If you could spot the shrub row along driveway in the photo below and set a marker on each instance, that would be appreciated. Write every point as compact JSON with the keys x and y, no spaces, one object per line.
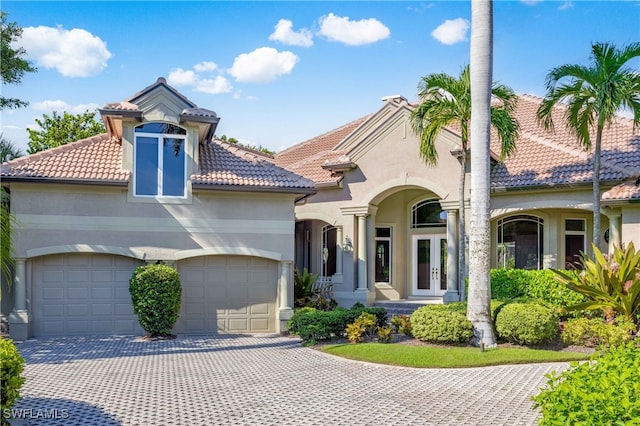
{"x":257,"y":380}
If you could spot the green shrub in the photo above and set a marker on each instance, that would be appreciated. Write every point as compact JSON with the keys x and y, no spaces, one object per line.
{"x":526,"y":323}
{"x":303,"y":287}
{"x":508,"y":284}
{"x":11,"y":379}
{"x":439,"y":324}
{"x":156,"y":293}
{"x":313,"y":325}
{"x":595,"y":332}
{"x":601,"y":392}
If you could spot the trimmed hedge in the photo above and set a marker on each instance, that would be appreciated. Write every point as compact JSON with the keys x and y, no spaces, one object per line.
{"x":313,"y":325}
{"x":11,"y":379}
{"x":596,"y":332}
{"x":441,"y":324}
{"x":602,"y":392}
{"x":526,"y":323}
{"x":507,"y":284}
{"x":156,"y":293}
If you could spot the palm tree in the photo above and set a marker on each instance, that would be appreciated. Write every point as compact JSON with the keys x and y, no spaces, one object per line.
{"x":446,"y":101}
{"x":8,"y":151}
{"x":593,"y":94}
{"x":7,"y":223}
{"x":482,"y":117}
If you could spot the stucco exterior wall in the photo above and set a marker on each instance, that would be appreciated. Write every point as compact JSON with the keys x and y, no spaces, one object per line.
{"x":55,"y":215}
{"x":631,"y":225}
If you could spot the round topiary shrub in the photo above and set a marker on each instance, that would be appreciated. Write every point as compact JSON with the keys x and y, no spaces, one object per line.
{"x":439,"y":325}
{"x":156,"y":293}
{"x":526,"y":323}
{"x":11,"y":366}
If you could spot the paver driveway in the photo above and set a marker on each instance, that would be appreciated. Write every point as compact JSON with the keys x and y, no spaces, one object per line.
{"x":257,"y":380}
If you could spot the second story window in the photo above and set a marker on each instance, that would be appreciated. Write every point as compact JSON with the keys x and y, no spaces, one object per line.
{"x":160,"y":160}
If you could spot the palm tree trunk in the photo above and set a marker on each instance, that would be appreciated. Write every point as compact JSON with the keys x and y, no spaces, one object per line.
{"x":481,"y":65}
{"x":596,"y":187}
{"x":461,"y":226}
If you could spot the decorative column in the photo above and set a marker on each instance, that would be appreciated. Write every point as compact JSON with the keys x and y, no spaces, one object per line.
{"x":19,"y":318}
{"x":362,"y":251}
{"x":615,"y":234}
{"x":454,"y":292}
{"x":337,"y":277}
{"x":371,"y":248}
{"x":286,"y":292}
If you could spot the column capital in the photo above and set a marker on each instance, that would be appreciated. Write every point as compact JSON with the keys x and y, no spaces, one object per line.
{"x":360,"y":210}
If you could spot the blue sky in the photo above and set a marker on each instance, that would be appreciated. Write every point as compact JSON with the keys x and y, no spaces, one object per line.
{"x":278,"y":73}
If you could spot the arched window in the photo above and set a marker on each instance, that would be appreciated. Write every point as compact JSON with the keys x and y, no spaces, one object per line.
{"x":160,"y":160}
{"x":427,"y":214}
{"x":520,"y":241}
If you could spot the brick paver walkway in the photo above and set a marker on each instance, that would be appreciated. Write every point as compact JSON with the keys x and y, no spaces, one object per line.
{"x":257,"y":380}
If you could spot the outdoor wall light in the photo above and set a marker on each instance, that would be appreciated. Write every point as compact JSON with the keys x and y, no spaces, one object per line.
{"x":348,"y":245}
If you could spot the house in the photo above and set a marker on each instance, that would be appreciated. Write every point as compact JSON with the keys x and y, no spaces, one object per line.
{"x":157,"y":187}
{"x":356,"y":205}
{"x":383,"y":226}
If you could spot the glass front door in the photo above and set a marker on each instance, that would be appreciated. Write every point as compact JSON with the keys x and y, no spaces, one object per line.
{"x":429,"y":265}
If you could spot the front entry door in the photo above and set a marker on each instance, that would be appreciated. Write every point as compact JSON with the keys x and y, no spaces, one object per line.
{"x":429,"y":265}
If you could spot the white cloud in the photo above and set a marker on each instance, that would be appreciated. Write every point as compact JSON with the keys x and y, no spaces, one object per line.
{"x":205,"y":66}
{"x":73,"y":53}
{"x":531,"y":2}
{"x":60,"y":106}
{"x":284,"y":33}
{"x":197,"y":79}
{"x":451,"y":31}
{"x":180,"y":77}
{"x":566,"y":5}
{"x":213,"y":86}
{"x":263,"y":65}
{"x":353,"y":33}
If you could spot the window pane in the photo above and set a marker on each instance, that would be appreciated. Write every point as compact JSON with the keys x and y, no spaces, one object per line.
{"x":574,"y":245}
{"x":426,"y":214}
{"x":424,"y":265}
{"x":166,"y":128}
{"x":520,"y":245}
{"x":383,"y":232}
{"x":329,"y":240}
{"x":574,"y":225}
{"x":173,"y":179}
{"x":146,"y":166}
{"x":383,"y":261}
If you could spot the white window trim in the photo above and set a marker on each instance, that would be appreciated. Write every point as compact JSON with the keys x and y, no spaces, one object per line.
{"x":390,"y":239}
{"x":566,"y":232}
{"x":160,"y":138}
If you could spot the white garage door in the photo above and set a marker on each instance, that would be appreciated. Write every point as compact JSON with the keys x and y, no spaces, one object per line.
{"x":83,"y":294}
{"x":235,"y":294}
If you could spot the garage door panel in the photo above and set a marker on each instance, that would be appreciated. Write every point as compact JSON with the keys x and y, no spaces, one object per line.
{"x":238,"y":294}
{"x":77,"y":310}
{"x":82,"y":294}
{"x":78,"y":276}
{"x":77,"y":293}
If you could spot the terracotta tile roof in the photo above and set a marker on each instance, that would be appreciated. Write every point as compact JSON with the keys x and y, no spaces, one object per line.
{"x":629,"y":190}
{"x":542,"y":158}
{"x":307,"y":158}
{"x":556,"y":158}
{"x":224,"y":164}
{"x":97,"y":158}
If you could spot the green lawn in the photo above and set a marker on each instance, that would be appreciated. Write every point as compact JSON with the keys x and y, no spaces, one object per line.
{"x":447,"y":357}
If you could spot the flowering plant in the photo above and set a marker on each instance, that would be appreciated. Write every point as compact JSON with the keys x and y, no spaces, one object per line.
{"x":610,"y":283}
